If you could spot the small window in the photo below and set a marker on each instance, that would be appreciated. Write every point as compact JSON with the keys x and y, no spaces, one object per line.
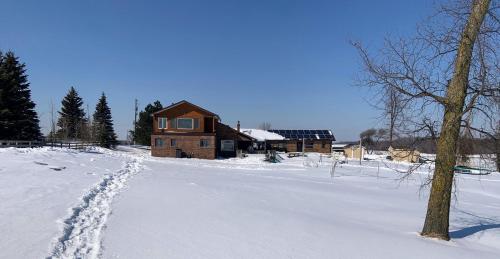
{"x":204,"y":143}
{"x":309,"y":144}
{"x":227,"y":145}
{"x":184,"y":123}
{"x":196,"y":123}
{"x":162,"y":122}
{"x":158,"y":142}
{"x":173,"y":142}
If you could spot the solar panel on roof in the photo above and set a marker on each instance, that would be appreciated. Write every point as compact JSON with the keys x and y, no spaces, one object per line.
{"x":305,"y":134}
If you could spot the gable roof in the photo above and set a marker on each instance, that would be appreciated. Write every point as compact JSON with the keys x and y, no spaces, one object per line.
{"x":186,"y":102}
{"x":235,"y":131}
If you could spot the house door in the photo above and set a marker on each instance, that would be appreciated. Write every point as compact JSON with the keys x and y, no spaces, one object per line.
{"x":299,"y":146}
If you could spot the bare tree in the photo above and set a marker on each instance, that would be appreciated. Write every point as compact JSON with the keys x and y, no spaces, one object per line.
{"x":265,"y":126}
{"x":450,"y":69}
{"x":393,"y":111}
{"x":371,"y":138}
{"x":366,"y":138}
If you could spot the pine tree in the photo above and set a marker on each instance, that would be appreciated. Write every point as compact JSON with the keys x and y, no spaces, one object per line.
{"x":144,"y":127}
{"x":71,"y":117}
{"x":103,"y":131}
{"x":18,"y":118}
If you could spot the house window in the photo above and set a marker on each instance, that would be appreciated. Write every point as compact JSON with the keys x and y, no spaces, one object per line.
{"x":173,"y":123}
{"x":227,"y":145}
{"x":204,"y":143}
{"x":158,"y":142}
{"x":196,"y":123}
{"x":309,"y":144}
{"x":185,"y":123}
{"x":173,"y":142}
{"x":162,"y":122}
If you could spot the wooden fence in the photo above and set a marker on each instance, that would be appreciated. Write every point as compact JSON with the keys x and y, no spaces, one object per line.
{"x":46,"y":143}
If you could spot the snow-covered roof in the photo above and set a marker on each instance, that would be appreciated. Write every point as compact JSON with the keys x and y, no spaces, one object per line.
{"x":339,"y":145}
{"x":262,"y":135}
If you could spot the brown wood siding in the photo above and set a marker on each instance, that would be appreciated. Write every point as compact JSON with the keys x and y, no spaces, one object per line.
{"x":184,"y":110}
{"x":291,"y":145}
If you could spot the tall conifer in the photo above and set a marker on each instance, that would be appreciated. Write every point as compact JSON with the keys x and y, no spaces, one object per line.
{"x":103,"y":130}
{"x":72,"y":119}
{"x":18,"y":118}
{"x":144,"y":127}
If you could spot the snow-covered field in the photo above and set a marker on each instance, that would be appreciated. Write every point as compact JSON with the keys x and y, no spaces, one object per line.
{"x":125,"y":204}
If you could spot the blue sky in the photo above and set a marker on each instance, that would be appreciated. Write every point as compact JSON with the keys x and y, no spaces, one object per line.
{"x":285,"y":62}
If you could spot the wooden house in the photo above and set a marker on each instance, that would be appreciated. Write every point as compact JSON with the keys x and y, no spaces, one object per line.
{"x":187,"y":130}
{"x":303,"y":141}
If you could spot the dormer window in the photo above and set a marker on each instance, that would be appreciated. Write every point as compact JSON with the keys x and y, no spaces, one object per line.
{"x":162,"y":122}
{"x":185,"y":123}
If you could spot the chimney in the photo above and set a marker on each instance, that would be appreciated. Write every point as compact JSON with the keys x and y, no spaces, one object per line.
{"x":238,"y":126}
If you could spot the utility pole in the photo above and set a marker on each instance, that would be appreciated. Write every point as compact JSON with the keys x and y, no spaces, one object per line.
{"x":52,"y":122}
{"x":135,"y":120}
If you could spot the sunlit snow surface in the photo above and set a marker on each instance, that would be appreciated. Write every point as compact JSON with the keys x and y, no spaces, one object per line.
{"x":126,"y":204}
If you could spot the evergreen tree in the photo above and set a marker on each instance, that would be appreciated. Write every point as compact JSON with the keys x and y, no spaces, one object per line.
{"x":144,"y":127}
{"x":71,"y":117}
{"x":18,"y":118}
{"x":103,"y":130}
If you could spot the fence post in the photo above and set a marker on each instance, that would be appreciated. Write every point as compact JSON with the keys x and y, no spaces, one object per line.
{"x":378,"y":168}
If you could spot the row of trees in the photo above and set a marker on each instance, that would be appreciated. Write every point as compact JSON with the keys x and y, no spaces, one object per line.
{"x":73,"y":124}
{"x":19,"y":120}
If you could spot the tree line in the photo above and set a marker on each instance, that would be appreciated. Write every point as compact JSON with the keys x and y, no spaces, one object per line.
{"x":19,"y":120}
{"x":379,"y":140}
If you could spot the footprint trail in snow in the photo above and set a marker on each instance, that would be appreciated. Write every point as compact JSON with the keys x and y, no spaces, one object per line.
{"x":81,"y":237}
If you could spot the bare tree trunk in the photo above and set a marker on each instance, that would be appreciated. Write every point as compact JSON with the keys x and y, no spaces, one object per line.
{"x":392,"y":115}
{"x":438,"y":209}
